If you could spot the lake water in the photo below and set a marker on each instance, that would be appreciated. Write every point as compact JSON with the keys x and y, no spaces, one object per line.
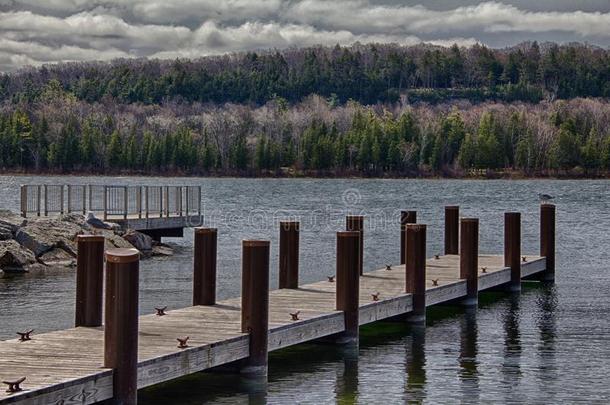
{"x":549,"y":344}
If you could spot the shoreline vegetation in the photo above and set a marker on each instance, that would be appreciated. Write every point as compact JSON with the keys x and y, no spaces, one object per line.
{"x":371,"y":111}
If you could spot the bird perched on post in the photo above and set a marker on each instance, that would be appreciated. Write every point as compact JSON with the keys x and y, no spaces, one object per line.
{"x":545,"y":198}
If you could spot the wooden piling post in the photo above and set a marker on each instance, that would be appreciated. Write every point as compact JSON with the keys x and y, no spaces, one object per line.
{"x":547,"y":240}
{"x":289,"y":254}
{"x":204,"y":266}
{"x":452,"y":226}
{"x":406,"y":217}
{"x":89,"y":280}
{"x":356,"y":223}
{"x":255,"y":303}
{"x":512,"y":248}
{"x":469,"y":258}
{"x":415,"y":271}
{"x":348,"y":282}
{"x":121,"y":323}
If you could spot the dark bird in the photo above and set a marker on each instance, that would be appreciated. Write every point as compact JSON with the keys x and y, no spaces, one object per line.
{"x":25,"y":336}
{"x":161,"y":311}
{"x":375,"y":296}
{"x":13,"y":386}
{"x":182,"y":342}
{"x":435,"y":282}
{"x":545,"y":198}
{"x":331,"y":279}
{"x":295,"y":315}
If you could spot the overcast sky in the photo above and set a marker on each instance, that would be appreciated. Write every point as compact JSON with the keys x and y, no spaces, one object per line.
{"x":34,"y":32}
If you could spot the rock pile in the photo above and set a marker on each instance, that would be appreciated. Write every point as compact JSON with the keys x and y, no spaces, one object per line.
{"x":27,"y":244}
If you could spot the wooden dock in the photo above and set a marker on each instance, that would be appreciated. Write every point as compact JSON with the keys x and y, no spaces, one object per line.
{"x":66,"y":367}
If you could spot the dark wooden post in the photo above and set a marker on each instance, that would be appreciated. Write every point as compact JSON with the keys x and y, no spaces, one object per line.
{"x":547,"y":240}
{"x":348,"y":282}
{"x":356,"y":223}
{"x":469,"y":258}
{"x":512,"y":248}
{"x":415,"y":271}
{"x":89,"y":280}
{"x":289,"y":254}
{"x":406,"y":217}
{"x":204,"y":266}
{"x":452,"y":226}
{"x":121,"y":323}
{"x":255,"y":303}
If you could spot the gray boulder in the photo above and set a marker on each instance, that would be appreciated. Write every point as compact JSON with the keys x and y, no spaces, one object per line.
{"x":57,"y":257}
{"x":98,"y":223}
{"x":42,"y":235}
{"x":139,"y":240}
{"x":14,"y":257}
{"x":162,"y":250}
{"x":6,"y":232}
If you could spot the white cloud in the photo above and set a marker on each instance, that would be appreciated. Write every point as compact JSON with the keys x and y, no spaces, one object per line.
{"x":34,"y":32}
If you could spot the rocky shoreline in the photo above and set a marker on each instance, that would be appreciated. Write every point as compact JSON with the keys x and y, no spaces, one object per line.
{"x":28,"y":244}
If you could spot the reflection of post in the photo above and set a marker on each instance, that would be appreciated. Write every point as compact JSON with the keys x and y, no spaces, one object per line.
{"x":547,"y":326}
{"x":512,"y":341}
{"x":468,"y":355}
{"x":416,"y":364}
{"x":347,"y":383}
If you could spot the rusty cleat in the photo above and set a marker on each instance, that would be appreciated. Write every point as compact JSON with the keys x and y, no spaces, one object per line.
{"x":295,"y":315}
{"x":484,"y":269}
{"x":331,"y":279}
{"x":524,"y":258}
{"x":161,"y":311}
{"x":435,"y":282}
{"x":375,"y":296}
{"x":436,"y":257}
{"x":13,"y":386}
{"x":25,"y":336}
{"x":182,"y":342}
{"x":388,"y":267}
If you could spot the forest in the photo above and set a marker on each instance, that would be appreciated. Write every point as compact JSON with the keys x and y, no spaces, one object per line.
{"x":369,"y":110}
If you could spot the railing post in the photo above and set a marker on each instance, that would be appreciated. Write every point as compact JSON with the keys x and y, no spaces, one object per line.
{"x":415,"y":271}
{"x":121,"y":322}
{"x":547,"y":240}
{"x":289,"y":254}
{"x":105,"y":203}
{"x":89,"y":280}
{"x":146,"y":200}
{"x":139,"y":201}
{"x":69,"y":210}
{"x":61,"y":199}
{"x":406,"y":217}
{"x":452,"y":226}
{"x":161,"y":201}
{"x":348,"y":283}
{"x":167,"y":201}
{"x":255,"y":303}
{"x":204,"y":266}
{"x":46,"y":200}
{"x":356,"y":223}
{"x":90,"y":198}
{"x":84,"y":193}
{"x":512,"y":248}
{"x":179,"y":200}
{"x":125,"y":201}
{"x":186,"y":191}
{"x":469,"y":258}
{"x":24,"y":200}
{"x":199,"y":201}
{"x":39,"y":197}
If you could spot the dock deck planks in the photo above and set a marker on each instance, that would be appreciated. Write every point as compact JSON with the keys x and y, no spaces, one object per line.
{"x":65,"y":366}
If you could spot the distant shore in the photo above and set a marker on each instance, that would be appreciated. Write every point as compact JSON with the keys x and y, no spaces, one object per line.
{"x":574,"y":174}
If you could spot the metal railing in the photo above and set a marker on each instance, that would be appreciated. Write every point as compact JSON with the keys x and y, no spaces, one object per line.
{"x":111,"y":201}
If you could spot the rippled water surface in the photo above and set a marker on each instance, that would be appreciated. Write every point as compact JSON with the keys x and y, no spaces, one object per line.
{"x":549,"y":345}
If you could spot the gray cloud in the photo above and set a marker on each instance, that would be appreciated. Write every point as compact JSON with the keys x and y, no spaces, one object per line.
{"x":34,"y":33}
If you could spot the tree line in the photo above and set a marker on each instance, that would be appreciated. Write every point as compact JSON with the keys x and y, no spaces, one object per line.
{"x":367,"y":74}
{"x":58,"y":132}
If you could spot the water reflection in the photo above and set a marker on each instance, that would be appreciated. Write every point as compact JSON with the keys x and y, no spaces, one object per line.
{"x":346,"y":390}
{"x":546,"y":321}
{"x":511,"y":366}
{"x":469,"y":374}
{"x":416,"y":364}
